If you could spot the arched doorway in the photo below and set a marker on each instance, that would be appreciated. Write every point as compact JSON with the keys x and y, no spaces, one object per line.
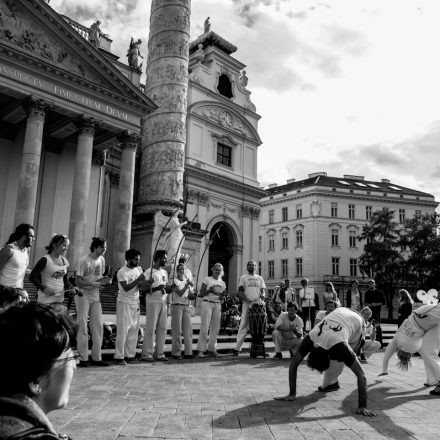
{"x":220,"y":250}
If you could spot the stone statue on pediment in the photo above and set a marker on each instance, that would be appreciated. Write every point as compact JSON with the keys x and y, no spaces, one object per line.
{"x":134,"y":53}
{"x":243,"y":79}
{"x":199,"y":54}
{"x":95,"y":34}
{"x":207,"y":25}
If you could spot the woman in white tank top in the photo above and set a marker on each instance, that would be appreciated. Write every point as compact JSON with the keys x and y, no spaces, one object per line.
{"x":50,"y":273}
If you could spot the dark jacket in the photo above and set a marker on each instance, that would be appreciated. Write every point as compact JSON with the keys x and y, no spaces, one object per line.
{"x":21,"y":418}
{"x":348,"y":299}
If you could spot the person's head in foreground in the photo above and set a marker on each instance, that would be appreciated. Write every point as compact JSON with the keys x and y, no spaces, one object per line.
{"x":38,"y":363}
{"x":11,"y":296}
{"x":366,"y":314}
{"x":292,"y":308}
{"x":330,"y":306}
{"x":404,"y":360}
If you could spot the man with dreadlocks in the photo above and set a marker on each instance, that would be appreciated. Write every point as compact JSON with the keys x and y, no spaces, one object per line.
{"x":420,"y":332}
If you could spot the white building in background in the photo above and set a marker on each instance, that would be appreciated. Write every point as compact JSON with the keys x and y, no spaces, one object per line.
{"x":308,"y":228}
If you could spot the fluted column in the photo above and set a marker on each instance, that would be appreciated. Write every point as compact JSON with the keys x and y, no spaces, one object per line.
{"x":81,"y":191}
{"x":129,"y":143}
{"x":163,"y":143}
{"x":30,"y":165}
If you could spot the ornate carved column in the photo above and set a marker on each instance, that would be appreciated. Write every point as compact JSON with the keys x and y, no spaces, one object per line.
{"x":129,"y":143}
{"x":30,"y":165}
{"x":81,"y":190}
{"x":163,"y":143}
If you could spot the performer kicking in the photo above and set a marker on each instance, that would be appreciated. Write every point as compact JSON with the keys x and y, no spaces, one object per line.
{"x":420,"y":332}
{"x":331,"y":344}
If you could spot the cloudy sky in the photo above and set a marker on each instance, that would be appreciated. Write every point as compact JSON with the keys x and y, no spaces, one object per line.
{"x":343,"y":86}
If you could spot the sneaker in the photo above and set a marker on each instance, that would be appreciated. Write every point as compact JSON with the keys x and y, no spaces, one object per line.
{"x":147,"y":358}
{"x":178,"y":357}
{"x":162,"y":359}
{"x":435,"y":391}
{"x":100,"y":363}
{"x":121,"y":362}
{"x":83,"y":364}
{"x":329,"y":388}
{"x":201,"y":354}
{"x":133,"y":360}
{"x":212,"y":354}
{"x":235,"y":352}
{"x":278,"y":356}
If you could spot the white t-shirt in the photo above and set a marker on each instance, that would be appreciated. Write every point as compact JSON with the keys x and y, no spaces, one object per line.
{"x":180,"y":284}
{"x":159,"y":277}
{"x":129,"y":274}
{"x":341,"y":325}
{"x":219,"y":286}
{"x":12,"y":274}
{"x":52,"y":276}
{"x":283,"y":321}
{"x":91,"y":269}
{"x":252,"y":285}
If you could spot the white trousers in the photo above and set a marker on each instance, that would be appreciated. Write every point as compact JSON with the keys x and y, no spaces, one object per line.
{"x":156,"y":324}
{"x":282,"y":343}
{"x":429,"y":352}
{"x":210,"y":314}
{"x":85,"y":307}
{"x":244,"y":325}
{"x":181,"y":322}
{"x":127,"y":330}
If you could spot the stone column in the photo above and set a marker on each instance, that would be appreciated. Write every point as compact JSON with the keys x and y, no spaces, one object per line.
{"x":163,"y":143}
{"x":129,"y":143}
{"x":30,"y":165}
{"x":80,"y":192}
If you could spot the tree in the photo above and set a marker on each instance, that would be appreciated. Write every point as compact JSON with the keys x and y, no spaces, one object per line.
{"x":421,"y":243}
{"x":382,"y":255}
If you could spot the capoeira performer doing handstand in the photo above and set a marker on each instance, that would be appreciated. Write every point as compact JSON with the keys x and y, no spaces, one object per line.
{"x":420,"y":332}
{"x":331,"y":344}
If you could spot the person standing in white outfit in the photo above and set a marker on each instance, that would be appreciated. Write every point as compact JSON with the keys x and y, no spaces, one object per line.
{"x":90,"y":279}
{"x":49,"y":275}
{"x":156,"y":304}
{"x":250,"y":291}
{"x":127,"y":308}
{"x":14,"y":258}
{"x":210,"y":313}
{"x":181,"y":295}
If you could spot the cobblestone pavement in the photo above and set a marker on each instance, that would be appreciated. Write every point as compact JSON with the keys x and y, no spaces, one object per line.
{"x":232,"y":398}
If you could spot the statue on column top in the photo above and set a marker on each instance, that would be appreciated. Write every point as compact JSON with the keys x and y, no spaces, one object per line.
{"x":207,"y":25}
{"x":95,"y":34}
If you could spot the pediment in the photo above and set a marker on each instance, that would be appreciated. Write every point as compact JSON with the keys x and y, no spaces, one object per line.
{"x":226,"y":118}
{"x":32,"y":31}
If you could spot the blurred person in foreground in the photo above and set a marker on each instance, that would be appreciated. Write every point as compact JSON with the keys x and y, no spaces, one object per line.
{"x":36,"y":371}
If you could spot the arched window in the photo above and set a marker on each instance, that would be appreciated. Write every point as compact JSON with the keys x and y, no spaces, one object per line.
{"x":225,"y":86}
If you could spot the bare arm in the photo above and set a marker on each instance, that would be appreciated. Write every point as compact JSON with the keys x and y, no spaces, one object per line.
{"x":5,"y":255}
{"x":203,"y":290}
{"x":293,"y":369}
{"x":181,"y":291}
{"x":128,"y":286}
{"x":362,"y":388}
{"x":391,"y":349}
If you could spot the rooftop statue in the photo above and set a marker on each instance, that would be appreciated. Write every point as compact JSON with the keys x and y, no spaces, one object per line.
{"x":95,"y":34}
{"x":134,"y":53}
{"x":207,"y":25}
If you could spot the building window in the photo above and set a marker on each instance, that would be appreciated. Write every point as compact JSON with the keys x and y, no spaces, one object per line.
{"x":299,"y":267}
{"x":284,"y":240}
{"x":352,"y":239}
{"x":271,"y":269}
{"x":418,"y":214}
{"x":335,"y":237}
{"x":368,"y":212}
{"x":284,"y":212}
{"x":271,"y":216}
{"x":225,"y":86}
{"x":351,"y":211}
{"x":401,"y":215}
{"x":299,"y":211}
{"x":224,"y":155}
{"x":260,"y":242}
{"x":271,"y":242}
{"x":299,"y":238}
{"x":334,"y":212}
{"x":353,"y":267}
{"x":335,"y":265}
{"x":259,"y":268}
{"x":285,"y":268}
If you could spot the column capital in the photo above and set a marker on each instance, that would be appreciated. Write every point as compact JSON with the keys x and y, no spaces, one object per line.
{"x":86,"y":125}
{"x":129,"y":141}
{"x":36,"y":108}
